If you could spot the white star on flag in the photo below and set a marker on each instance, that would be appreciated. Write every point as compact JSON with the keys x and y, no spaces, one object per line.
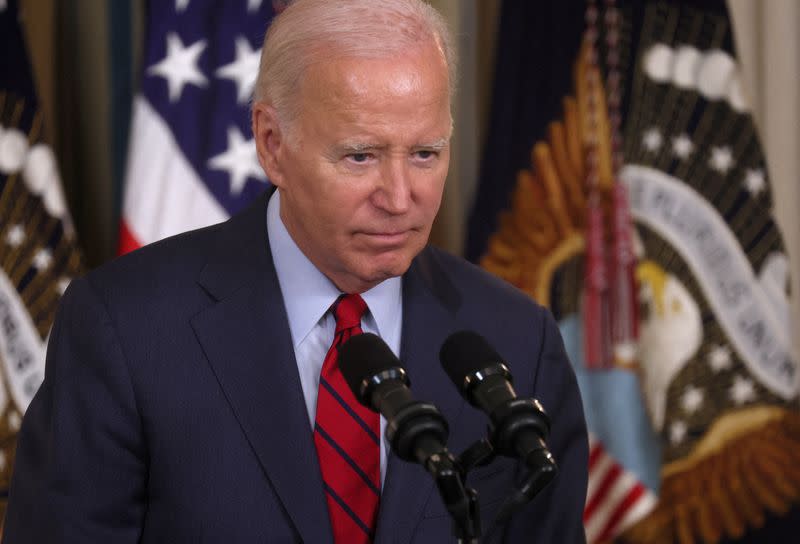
{"x":239,"y":160}
{"x":243,"y":70}
{"x":719,"y":358}
{"x":180,"y":5}
{"x":692,"y":399}
{"x":15,"y":236}
{"x":742,"y":390}
{"x":754,"y":181}
{"x":677,"y":432}
{"x":721,"y":159}
{"x":682,"y":146}
{"x":42,"y":259}
{"x":652,"y":139}
{"x":253,"y":5}
{"x":179,"y":67}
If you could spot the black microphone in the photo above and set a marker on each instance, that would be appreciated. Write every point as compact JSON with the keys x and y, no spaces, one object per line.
{"x":416,"y":430}
{"x":519,"y":425}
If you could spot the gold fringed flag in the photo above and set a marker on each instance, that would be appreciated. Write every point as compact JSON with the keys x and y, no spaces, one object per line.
{"x":38,"y":254}
{"x":695,"y":433}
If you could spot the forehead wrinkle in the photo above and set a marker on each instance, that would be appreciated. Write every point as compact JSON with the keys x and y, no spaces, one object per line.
{"x":348,"y":101}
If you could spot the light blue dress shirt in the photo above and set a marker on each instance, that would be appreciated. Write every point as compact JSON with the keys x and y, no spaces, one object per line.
{"x":308,"y":295}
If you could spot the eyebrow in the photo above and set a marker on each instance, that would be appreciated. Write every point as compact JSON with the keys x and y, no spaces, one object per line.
{"x":363,"y":147}
{"x":439,"y":144}
{"x":357,"y":147}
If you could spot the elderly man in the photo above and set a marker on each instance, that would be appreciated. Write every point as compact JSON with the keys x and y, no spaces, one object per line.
{"x":192,"y":392}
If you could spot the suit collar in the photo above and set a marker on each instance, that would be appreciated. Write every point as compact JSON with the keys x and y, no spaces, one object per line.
{"x":239,"y":254}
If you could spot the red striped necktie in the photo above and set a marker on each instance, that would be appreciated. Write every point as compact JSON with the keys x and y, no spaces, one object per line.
{"x":346,"y":435}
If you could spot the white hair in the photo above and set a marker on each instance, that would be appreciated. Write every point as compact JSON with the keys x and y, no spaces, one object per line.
{"x":310,"y":31}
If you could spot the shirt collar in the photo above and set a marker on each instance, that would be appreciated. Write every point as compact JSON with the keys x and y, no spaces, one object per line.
{"x":308,"y":293}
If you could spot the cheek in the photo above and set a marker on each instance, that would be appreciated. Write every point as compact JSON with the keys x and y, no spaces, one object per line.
{"x":339,"y":212}
{"x":322,"y":201}
{"x":430,"y":196}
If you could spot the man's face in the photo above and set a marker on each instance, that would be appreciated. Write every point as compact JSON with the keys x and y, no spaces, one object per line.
{"x":361,"y":175}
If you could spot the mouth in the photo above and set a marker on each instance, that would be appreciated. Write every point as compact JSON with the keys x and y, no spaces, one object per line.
{"x":388,"y":238}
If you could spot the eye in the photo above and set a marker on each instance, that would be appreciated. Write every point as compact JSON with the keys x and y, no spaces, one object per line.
{"x":359,"y":157}
{"x":425,"y":154}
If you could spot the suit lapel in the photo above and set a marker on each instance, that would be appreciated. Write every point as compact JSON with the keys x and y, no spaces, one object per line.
{"x":246,"y":339}
{"x":429,"y":306}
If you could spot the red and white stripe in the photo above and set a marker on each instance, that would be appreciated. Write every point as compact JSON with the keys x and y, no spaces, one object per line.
{"x":615,"y":498}
{"x":163,"y":193}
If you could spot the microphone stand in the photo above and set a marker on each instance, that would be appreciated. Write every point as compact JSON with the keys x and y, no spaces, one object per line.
{"x":418,"y":432}
{"x":461,"y":501}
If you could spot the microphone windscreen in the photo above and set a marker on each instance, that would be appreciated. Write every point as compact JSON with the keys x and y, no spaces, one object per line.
{"x":465,"y":352}
{"x":363,"y":356}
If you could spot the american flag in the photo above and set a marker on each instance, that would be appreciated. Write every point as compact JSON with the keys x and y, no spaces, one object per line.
{"x":192,"y":159}
{"x":615,"y":497}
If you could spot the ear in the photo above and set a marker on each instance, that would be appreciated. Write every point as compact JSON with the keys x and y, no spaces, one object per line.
{"x":270,"y":141}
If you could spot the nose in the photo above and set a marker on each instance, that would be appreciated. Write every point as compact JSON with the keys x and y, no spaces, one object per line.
{"x":394,"y":193}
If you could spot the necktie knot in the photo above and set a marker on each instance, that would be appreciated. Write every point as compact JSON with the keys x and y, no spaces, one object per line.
{"x":349,"y":309}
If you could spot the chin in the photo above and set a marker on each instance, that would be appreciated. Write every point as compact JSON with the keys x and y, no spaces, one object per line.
{"x":373,"y":268}
{"x":388,"y":270}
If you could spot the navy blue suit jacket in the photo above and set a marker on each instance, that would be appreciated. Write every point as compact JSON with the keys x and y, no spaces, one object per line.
{"x":171,"y":409}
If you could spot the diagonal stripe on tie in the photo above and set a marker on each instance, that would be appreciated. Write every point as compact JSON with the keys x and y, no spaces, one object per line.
{"x":347,"y":484}
{"x":349,"y":409}
{"x":352,"y":515}
{"x":348,"y":459}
